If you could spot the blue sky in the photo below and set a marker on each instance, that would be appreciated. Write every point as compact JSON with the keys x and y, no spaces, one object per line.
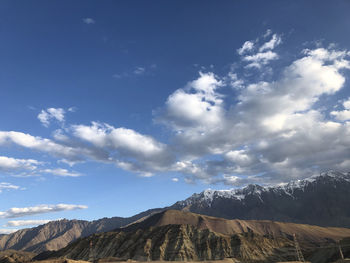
{"x":111,"y":108}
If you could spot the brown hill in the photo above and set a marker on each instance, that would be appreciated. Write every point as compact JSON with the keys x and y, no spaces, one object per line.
{"x":184,"y":236}
{"x":176,"y":243}
{"x":58,"y":234}
{"x":274,"y":229}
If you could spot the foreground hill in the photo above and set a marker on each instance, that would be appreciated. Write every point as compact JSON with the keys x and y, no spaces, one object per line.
{"x":57,"y":234}
{"x":177,"y":235}
{"x":323,"y":200}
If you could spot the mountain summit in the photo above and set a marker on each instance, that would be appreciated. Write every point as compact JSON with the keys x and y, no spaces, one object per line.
{"x":319,"y":200}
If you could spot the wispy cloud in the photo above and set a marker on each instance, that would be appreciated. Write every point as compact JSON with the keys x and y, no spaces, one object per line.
{"x":265,"y":52}
{"x":4,"y":231}
{"x":17,"y":223}
{"x":40,"y":209}
{"x":8,"y":186}
{"x":61,"y":172}
{"x":89,"y":21}
{"x":136,"y":72}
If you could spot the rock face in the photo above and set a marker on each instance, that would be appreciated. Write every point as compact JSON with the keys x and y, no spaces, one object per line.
{"x":184,"y":236}
{"x":323,"y":200}
{"x":57,"y":234}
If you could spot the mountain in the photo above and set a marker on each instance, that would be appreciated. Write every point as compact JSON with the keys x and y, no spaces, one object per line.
{"x":57,"y":234}
{"x":323,"y":200}
{"x":177,"y":235}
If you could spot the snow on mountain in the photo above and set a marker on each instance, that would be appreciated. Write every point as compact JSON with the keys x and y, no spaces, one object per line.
{"x":240,"y":194}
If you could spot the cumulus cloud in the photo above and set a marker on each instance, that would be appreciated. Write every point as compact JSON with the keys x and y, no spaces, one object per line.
{"x":12,"y":164}
{"x":16,"y":223}
{"x":343,"y":115}
{"x":40,"y":209}
{"x":198,"y":105}
{"x":45,"y":116}
{"x":233,"y":129}
{"x":127,"y":148}
{"x":72,"y":153}
{"x":274,"y":132}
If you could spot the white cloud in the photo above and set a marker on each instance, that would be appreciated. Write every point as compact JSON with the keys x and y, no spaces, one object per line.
{"x":89,"y":21}
{"x":127,"y":148}
{"x":175,"y":179}
{"x":45,"y":116}
{"x":275,"y":41}
{"x":275,"y":123}
{"x":247,"y":46}
{"x":8,"y":186}
{"x":61,"y":172}
{"x":259,"y":59}
{"x":198,"y":106}
{"x":70,"y":153}
{"x":264,"y":129}
{"x":16,"y":223}
{"x":4,"y":231}
{"x":341,"y":115}
{"x":12,"y":164}
{"x":346,"y":104}
{"x":265,"y":53}
{"x":40,"y":209}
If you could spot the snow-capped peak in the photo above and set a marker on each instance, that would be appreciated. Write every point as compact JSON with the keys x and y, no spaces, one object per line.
{"x":208,"y":196}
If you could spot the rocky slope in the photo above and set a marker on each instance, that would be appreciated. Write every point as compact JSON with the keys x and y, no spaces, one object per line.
{"x":57,"y":234}
{"x":323,"y":200}
{"x":176,"y":235}
{"x":13,"y":256}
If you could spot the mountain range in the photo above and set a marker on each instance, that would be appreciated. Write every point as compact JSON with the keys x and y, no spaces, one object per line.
{"x":323,"y":200}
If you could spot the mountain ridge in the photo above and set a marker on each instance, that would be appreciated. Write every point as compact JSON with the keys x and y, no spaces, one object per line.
{"x":57,"y":234}
{"x":185,"y":236}
{"x":321,"y":200}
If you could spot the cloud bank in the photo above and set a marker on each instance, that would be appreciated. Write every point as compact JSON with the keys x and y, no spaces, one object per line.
{"x":258,"y":123}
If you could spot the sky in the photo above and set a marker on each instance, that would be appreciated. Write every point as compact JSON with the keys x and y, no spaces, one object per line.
{"x":110,"y":108}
